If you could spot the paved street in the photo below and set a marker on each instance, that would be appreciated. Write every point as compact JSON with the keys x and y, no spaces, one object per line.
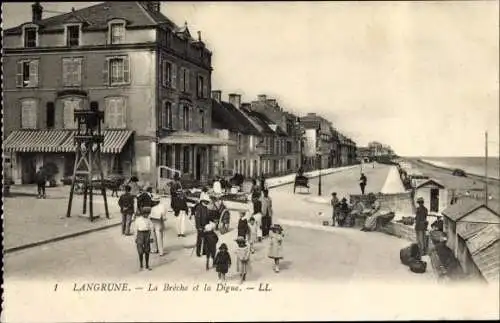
{"x":312,"y":252}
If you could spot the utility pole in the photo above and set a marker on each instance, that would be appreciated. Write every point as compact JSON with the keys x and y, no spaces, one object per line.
{"x":486,"y":168}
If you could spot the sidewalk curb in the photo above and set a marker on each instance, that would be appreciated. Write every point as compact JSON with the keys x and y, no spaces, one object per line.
{"x":79,"y":233}
{"x":58,"y":238}
{"x":315,"y":176}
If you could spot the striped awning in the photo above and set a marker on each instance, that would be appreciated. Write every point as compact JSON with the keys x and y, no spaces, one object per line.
{"x":58,"y":140}
{"x":114,"y":141}
{"x":35,"y":140}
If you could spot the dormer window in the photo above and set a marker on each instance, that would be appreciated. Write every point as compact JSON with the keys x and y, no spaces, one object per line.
{"x":73,"y":35}
{"x":117,"y":33}
{"x":30,"y":37}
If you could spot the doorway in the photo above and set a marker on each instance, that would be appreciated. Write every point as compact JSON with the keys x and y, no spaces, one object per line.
{"x":434,"y":200}
{"x":28,"y":169}
{"x":199,"y":165}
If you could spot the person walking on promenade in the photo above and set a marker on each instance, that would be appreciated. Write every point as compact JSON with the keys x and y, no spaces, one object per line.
{"x":243,"y":258}
{"x":252,"y":234}
{"x":143,"y":227}
{"x":222,"y":262}
{"x":145,"y":198}
{"x":175,"y":187}
{"x":421,"y":224}
{"x":158,"y":217}
{"x":180,"y":212}
{"x":267,"y":213}
{"x":257,"y":215}
{"x":135,"y":189}
{"x":263,"y":184}
{"x":276,"y":246}
{"x":362,"y":183}
{"x":210,"y":243}
{"x":126,"y":203}
{"x":217,"y":186}
{"x":242,"y":225}
{"x":334,"y":202}
{"x":201,"y":218}
{"x":41,"y":181}
{"x":255,"y":190}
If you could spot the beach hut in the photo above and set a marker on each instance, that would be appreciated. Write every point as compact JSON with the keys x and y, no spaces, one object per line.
{"x":473,"y":231}
{"x":434,"y":194}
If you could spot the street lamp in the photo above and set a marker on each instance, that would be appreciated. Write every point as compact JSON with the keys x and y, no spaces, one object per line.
{"x":318,"y":152}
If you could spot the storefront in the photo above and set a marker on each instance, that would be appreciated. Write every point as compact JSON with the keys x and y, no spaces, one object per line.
{"x":29,"y":150}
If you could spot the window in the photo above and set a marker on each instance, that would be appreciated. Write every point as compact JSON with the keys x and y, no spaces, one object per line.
{"x":117,"y":71}
{"x":28,"y":114}
{"x":117,"y":33}
{"x":115,"y":113}
{"x":202,"y":121}
{"x":50,"y":115}
{"x":166,"y":115}
{"x":185,"y":80}
{"x":288,"y":147}
{"x":73,"y":36}
{"x":185,"y":168}
{"x":201,"y":89}
{"x":166,"y":73}
{"x":30,"y":37}
{"x":27,"y":73}
{"x":69,"y":106}
{"x":240,"y":142}
{"x":72,"y":71}
{"x":185,"y":116}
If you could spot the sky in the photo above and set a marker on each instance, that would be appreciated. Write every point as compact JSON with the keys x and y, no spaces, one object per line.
{"x":422,"y":77}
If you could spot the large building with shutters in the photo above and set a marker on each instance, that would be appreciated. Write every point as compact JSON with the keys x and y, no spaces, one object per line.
{"x":151,"y":77}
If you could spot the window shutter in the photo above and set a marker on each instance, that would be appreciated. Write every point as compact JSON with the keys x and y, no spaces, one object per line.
{"x":78,"y":71}
{"x":19,"y":74}
{"x":188,"y":83}
{"x":65,"y":71}
{"x":175,"y":125}
{"x":122,"y":113}
{"x":163,"y":115}
{"x":174,"y":76}
{"x":126,"y":70}
{"x":205,"y":87}
{"x":182,"y":70}
{"x":163,"y":73}
{"x":191,"y":113}
{"x":34,"y":73}
{"x":181,"y":117}
{"x":105,"y":73}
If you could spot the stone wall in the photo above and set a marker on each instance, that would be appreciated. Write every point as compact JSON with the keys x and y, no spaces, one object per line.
{"x":400,"y":230}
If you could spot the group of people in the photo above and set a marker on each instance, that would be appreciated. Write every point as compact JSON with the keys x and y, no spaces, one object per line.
{"x":340,"y":210}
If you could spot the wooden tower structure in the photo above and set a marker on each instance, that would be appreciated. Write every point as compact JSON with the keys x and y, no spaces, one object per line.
{"x":88,"y":141}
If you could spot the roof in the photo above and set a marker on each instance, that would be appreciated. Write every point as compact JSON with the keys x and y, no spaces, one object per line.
{"x":194,"y":138}
{"x":470,"y":230}
{"x":96,"y":17}
{"x":488,"y":262}
{"x":429,"y":182}
{"x":483,"y":239}
{"x":260,"y":120}
{"x":462,"y":208}
{"x":244,"y":124}
{"x":60,"y":140}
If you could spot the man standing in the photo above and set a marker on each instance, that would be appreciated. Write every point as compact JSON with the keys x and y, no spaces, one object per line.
{"x":421,"y":224}
{"x":201,"y":218}
{"x":158,"y":217}
{"x":335,"y":204}
{"x":362,"y":183}
{"x":41,"y":182}
{"x":126,"y":203}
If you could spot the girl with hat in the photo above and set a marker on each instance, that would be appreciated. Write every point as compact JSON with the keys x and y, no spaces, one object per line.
{"x":222,"y":262}
{"x":143,"y":228}
{"x":276,"y":245}
{"x":210,"y":240}
{"x":243,"y":257}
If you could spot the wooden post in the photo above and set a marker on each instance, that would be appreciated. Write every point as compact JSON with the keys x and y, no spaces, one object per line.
{"x":91,"y":188}
{"x":73,"y":178}
{"x":486,"y":168}
{"x":103,"y":188}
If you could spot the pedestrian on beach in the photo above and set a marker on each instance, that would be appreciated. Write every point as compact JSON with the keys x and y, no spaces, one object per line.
{"x":267,"y":213}
{"x":243,"y":258}
{"x":158,"y":217}
{"x":252,"y":234}
{"x":181,"y":210}
{"x":276,"y":246}
{"x":362,"y":183}
{"x":421,"y":224}
{"x":126,"y":203}
{"x":243,"y":225}
{"x":201,"y":218}
{"x":41,"y":181}
{"x":257,"y":215}
{"x":222,"y":262}
{"x":143,"y":228}
{"x":334,"y":202}
{"x":210,"y":242}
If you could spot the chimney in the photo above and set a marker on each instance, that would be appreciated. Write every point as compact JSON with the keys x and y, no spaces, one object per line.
{"x":153,"y":6}
{"x":272,"y":102}
{"x":247,"y":106}
{"x":262,"y":97}
{"x":36,"y":10}
{"x":235,"y":99}
{"x":216,"y":95}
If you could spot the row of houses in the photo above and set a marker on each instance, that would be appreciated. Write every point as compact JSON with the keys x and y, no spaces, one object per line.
{"x":152,"y":79}
{"x":374,"y":150}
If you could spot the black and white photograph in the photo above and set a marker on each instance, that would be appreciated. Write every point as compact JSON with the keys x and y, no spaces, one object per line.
{"x":250,"y":161}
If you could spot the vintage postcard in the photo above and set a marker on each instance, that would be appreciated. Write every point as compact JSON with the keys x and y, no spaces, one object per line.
{"x":250,"y":161}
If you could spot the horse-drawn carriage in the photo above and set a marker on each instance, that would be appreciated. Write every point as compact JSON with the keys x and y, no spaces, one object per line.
{"x":301,"y":181}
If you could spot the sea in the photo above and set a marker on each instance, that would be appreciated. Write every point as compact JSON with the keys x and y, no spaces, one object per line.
{"x":471,"y":165}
